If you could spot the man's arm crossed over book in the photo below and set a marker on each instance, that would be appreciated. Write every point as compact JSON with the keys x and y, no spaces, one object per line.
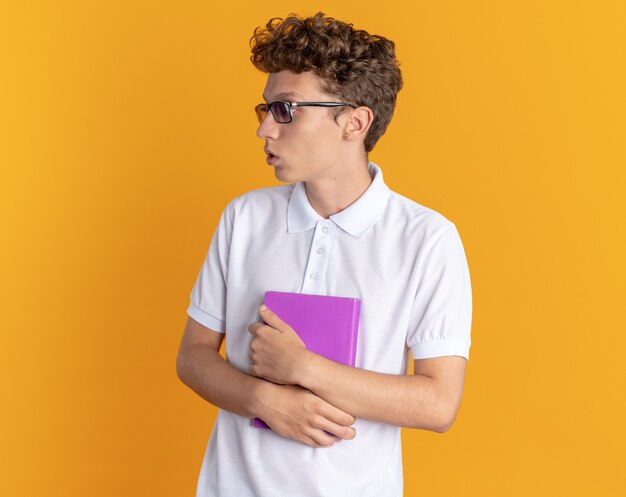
{"x":291,"y":411}
{"x":429,"y":399}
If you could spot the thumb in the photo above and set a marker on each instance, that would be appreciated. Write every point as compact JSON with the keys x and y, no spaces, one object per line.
{"x":272,"y":319}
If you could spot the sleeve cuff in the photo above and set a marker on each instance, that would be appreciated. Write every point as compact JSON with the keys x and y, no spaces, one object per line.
{"x":440,"y":348}
{"x":206,"y":319}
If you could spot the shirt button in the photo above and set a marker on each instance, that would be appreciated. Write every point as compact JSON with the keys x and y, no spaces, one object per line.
{"x":312,"y":276}
{"x":325,"y":229}
{"x":320,"y":250}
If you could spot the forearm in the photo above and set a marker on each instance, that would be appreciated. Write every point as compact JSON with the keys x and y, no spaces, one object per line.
{"x":203,"y":370}
{"x":291,"y":411}
{"x":429,"y":399}
{"x":415,"y":401}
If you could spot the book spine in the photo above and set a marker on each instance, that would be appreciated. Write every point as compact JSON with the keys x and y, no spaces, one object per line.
{"x":356,"y":311}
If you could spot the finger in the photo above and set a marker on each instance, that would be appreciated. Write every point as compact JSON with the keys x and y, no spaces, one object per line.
{"x":311,"y":442}
{"x":272,"y":319}
{"x":340,"y":431}
{"x":334,"y":422}
{"x":321,"y":438}
{"x":337,"y":416}
{"x":254,"y":328}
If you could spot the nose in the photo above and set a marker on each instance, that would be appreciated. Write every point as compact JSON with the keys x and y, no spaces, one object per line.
{"x":268,"y":128}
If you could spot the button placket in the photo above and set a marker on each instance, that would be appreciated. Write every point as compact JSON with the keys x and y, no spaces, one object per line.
{"x":319,"y":252}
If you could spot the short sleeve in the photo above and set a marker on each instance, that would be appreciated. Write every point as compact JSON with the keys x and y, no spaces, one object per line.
{"x":441,"y":317}
{"x":208,"y":296}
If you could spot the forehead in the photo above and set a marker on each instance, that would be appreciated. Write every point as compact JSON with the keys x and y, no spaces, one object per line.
{"x":287,"y":85}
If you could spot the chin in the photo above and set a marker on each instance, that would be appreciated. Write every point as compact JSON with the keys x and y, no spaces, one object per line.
{"x":284,"y":176}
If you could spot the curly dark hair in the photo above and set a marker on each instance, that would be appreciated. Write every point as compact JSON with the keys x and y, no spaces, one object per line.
{"x":357,"y":67}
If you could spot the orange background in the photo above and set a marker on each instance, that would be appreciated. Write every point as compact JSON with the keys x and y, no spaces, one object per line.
{"x":126,"y":127}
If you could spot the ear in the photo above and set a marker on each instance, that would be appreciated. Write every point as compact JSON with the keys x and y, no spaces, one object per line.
{"x":358,"y":123}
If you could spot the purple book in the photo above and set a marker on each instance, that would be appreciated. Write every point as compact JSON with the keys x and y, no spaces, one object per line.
{"x":328,"y":326}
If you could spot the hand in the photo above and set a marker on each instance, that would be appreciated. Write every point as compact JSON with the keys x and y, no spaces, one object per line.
{"x":300,"y":415}
{"x":276,"y":351}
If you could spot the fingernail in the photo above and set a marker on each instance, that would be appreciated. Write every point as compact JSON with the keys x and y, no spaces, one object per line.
{"x":263,"y":308}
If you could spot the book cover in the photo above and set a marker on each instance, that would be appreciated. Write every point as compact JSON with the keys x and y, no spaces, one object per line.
{"x":327,"y":325}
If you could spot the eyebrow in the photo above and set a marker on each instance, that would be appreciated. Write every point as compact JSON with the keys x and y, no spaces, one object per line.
{"x":288,"y":95}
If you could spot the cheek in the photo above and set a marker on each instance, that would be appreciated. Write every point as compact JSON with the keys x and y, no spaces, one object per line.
{"x":311,"y":142}
{"x":302,"y":144}
{"x":319,"y":140}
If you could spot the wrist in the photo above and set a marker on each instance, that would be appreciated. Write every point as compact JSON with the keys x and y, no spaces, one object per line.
{"x":305,"y":373}
{"x":261,"y":398}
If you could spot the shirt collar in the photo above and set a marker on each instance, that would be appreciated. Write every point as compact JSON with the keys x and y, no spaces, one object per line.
{"x":355,"y":219}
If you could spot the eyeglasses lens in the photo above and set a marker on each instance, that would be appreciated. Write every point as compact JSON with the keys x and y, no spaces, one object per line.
{"x":261,"y":112}
{"x":281,"y":113}
{"x":280,"y":110}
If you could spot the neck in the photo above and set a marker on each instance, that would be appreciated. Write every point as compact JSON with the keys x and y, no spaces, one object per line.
{"x":333,"y":194}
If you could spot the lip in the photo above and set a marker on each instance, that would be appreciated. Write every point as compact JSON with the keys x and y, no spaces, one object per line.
{"x":271,"y":158}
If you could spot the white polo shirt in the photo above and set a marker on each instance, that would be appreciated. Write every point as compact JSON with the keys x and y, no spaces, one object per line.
{"x":407,"y":265}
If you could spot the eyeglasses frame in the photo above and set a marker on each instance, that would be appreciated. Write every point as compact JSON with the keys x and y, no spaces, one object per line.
{"x":291,"y":105}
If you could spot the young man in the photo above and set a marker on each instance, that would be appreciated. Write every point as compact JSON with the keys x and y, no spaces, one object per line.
{"x":336,"y":229}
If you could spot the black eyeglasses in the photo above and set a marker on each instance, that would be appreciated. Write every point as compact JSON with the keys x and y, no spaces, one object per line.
{"x":283,"y":111}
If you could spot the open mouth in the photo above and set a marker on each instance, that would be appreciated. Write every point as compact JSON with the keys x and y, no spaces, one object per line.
{"x":271,"y":158}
